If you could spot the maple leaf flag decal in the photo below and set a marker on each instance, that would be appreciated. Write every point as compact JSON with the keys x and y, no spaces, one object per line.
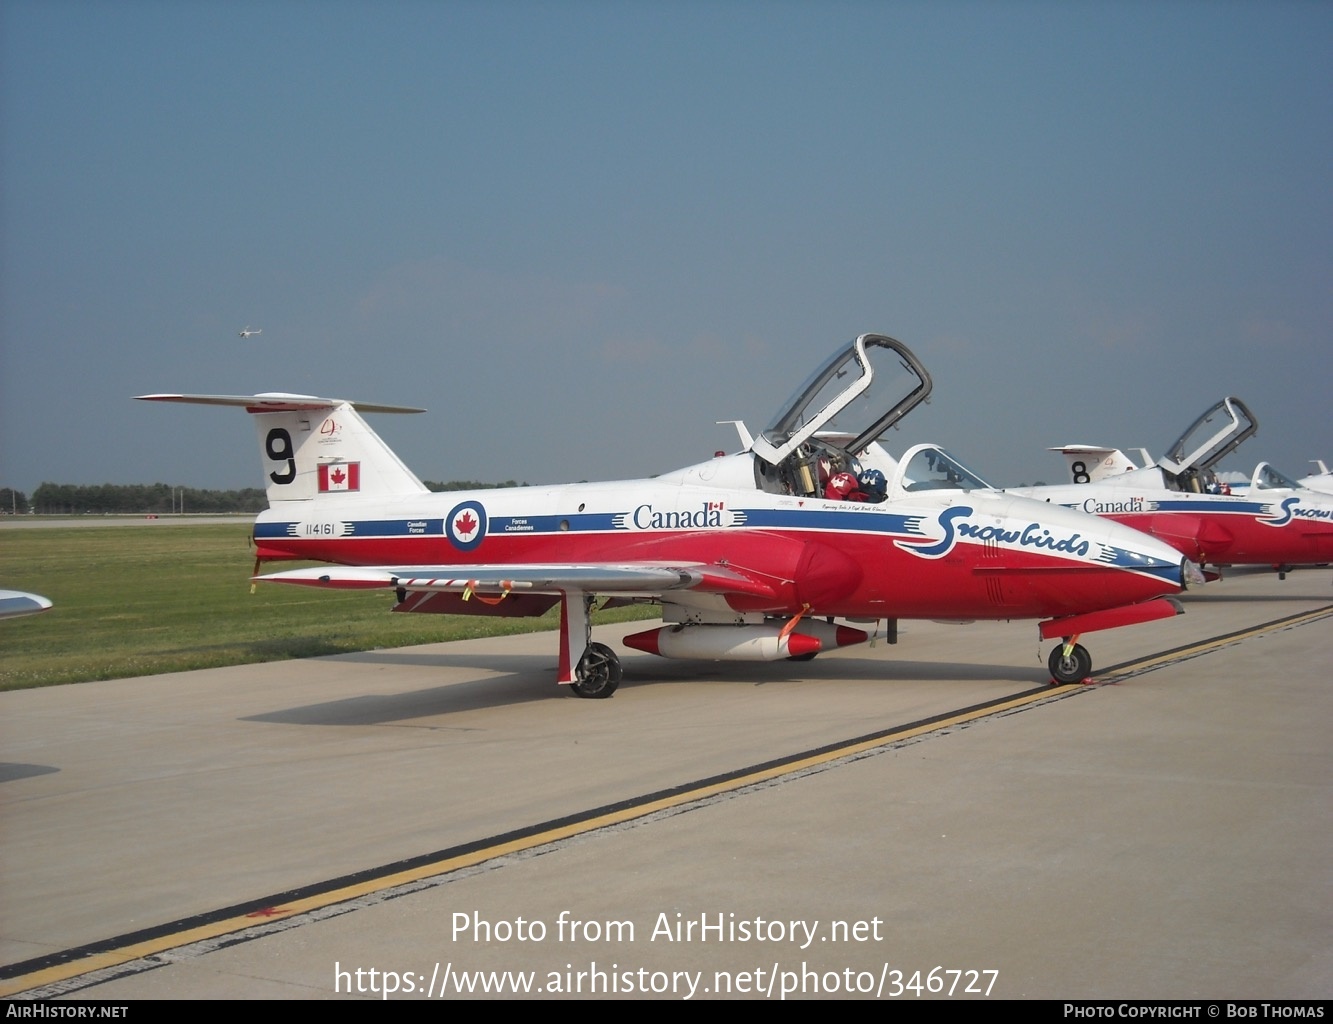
{"x":465,"y":524}
{"x":339,"y":476}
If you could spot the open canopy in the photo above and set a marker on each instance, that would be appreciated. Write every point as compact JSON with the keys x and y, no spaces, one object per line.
{"x":853,"y":398}
{"x":1215,"y":434}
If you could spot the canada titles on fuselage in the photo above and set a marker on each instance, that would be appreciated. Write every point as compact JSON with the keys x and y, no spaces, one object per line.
{"x":1102,"y":508}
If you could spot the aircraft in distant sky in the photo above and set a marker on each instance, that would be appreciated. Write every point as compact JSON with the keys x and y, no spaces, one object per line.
{"x":750,"y":555}
{"x":1181,"y":500}
{"x":248,"y":333}
{"x":18,"y":602}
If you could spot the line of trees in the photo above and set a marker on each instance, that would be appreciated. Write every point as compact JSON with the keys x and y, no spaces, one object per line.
{"x":13,"y":501}
{"x":99,"y":499}
{"x":134,"y":499}
{"x":467,"y":485}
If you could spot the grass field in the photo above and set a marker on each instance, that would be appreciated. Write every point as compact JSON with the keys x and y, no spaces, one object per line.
{"x":139,"y":600}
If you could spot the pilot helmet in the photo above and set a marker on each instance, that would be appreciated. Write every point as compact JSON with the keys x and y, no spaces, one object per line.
{"x":873,"y":483}
{"x":842,"y":484}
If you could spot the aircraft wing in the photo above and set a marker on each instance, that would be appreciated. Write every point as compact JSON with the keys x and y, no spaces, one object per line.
{"x":18,"y":602}
{"x":629,"y":578}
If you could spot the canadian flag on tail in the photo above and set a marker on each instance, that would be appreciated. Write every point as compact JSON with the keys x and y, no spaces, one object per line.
{"x":339,"y":476}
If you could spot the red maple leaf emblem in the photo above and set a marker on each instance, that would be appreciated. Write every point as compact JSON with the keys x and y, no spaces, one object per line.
{"x":465,"y":524}
{"x":338,"y":476}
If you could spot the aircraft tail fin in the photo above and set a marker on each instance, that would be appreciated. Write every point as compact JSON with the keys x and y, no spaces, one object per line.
{"x":1088,"y":463}
{"x":315,"y":448}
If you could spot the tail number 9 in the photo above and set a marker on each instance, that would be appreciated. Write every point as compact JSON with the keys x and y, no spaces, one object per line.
{"x":278,"y":445}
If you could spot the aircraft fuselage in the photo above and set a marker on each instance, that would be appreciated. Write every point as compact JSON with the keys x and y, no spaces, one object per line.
{"x":965,"y":555}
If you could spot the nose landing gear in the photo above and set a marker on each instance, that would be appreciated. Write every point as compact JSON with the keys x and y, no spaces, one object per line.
{"x":1070,"y":662}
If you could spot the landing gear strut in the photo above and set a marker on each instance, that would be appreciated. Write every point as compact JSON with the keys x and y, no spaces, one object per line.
{"x":1073,"y":667}
{"x":598,"y":672}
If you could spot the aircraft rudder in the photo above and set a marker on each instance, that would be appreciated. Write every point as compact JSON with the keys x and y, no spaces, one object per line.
{"x":1089,"y":464}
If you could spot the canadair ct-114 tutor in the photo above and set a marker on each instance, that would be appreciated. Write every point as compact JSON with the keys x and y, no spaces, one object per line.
{"x":1181,"y":500}
{"x":751,"y":556}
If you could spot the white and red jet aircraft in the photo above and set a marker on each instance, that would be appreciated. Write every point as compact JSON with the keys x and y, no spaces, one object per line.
{"x":1180,"y":499}
{"x":747,"y":554}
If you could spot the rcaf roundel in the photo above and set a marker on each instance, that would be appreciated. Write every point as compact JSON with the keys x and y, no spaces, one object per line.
{"x":339,"y":476}
{"x":466,"y":525}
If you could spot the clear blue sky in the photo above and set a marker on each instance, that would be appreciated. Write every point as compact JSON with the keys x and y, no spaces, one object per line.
{"x":581,"y":232}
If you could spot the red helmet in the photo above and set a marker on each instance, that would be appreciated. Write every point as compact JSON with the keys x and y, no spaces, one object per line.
{"x":841,"y":485}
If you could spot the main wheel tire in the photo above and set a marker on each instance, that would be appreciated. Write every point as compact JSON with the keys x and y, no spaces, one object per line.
{"x":598,"y":673}
{"x":1073,"y":669}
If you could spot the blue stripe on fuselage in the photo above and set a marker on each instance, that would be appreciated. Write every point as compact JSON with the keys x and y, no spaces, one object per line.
{"x":845,"y":518}
{"x":606,"y":522}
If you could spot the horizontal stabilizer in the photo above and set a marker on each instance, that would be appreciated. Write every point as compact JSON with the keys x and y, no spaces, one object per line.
{"x":314,"y":448}
{"x":277,"y":401}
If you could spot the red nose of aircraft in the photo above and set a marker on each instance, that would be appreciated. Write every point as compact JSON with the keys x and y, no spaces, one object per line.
{"x":1129,"y":567}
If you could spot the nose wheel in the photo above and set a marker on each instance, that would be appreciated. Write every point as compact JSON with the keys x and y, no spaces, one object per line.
{"x":598,"y":673}
{"x":1072,"y":667}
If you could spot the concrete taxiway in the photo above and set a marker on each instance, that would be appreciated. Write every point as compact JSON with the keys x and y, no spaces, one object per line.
{"x":423,"y":811}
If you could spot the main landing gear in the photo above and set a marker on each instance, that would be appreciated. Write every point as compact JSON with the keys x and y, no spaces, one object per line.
{"x":1070,"y":663}
{"x":598,"y":673}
